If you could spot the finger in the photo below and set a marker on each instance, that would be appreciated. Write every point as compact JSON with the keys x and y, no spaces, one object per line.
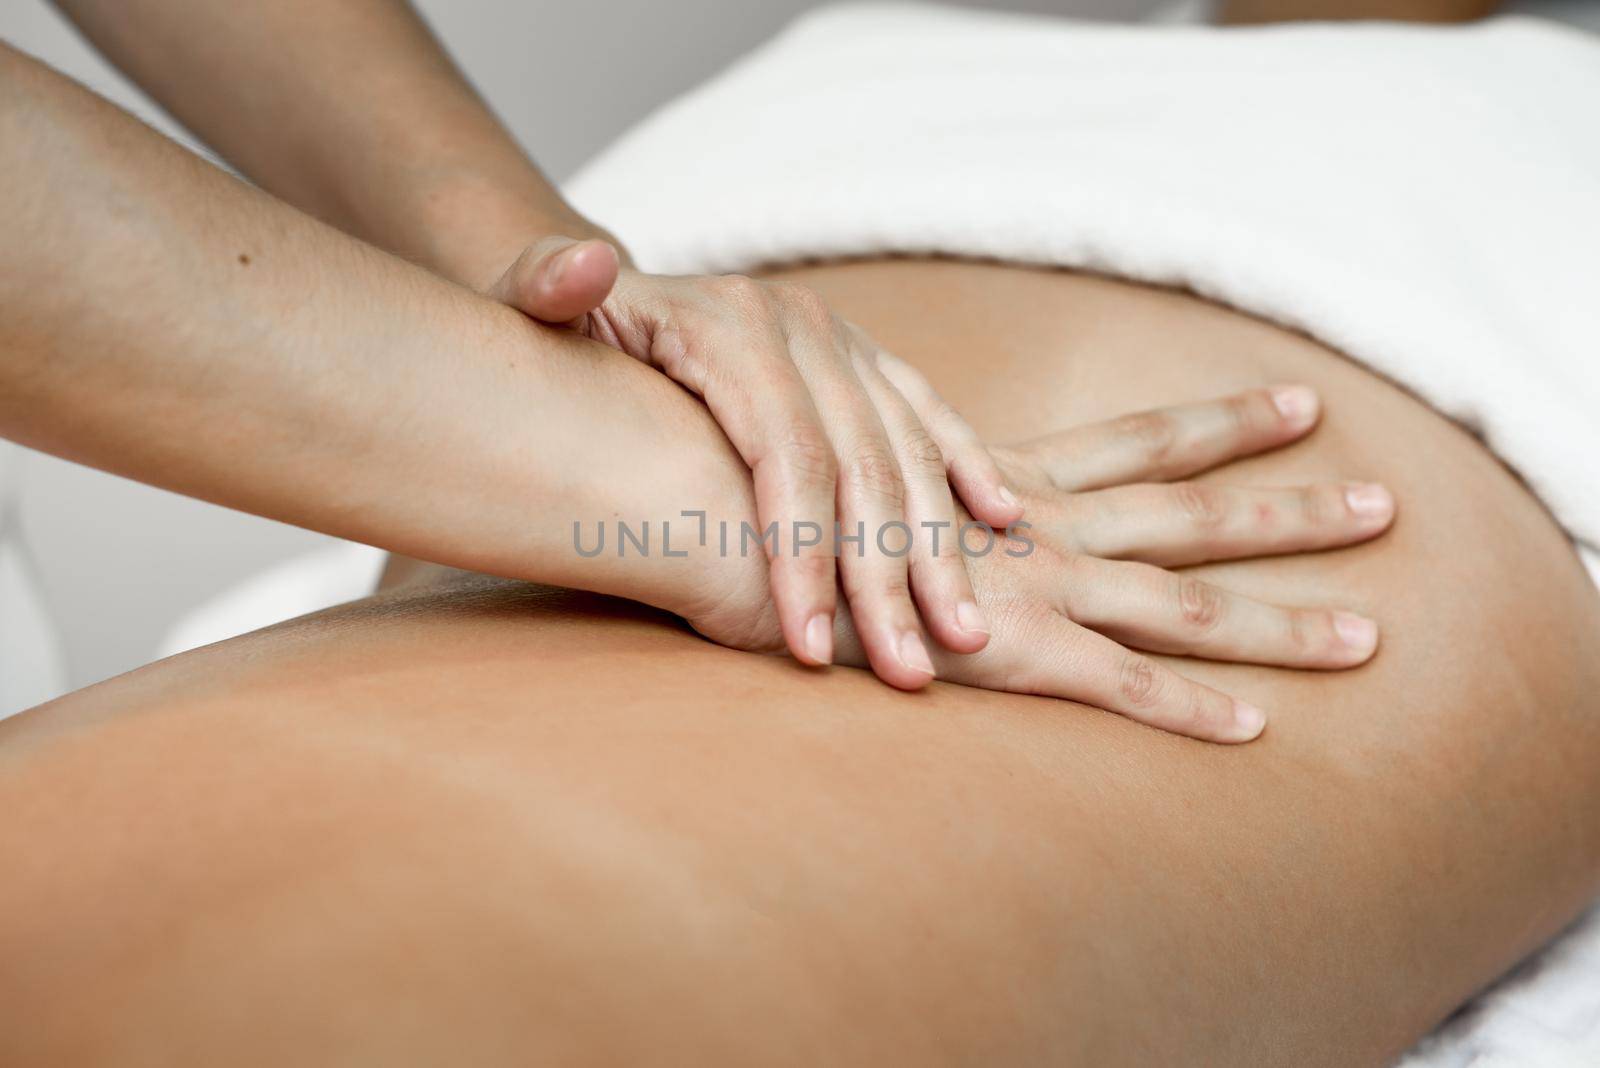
{"x":765,"y":408}
{"x":971,"y":470}
{"x":871,"y":494}
{"x":1148,"y":608}
{"x":1182,"y":523}
{"x":939,"y":580}
{"x":1095,"y":670}
{"x":1172,"y":443}
{"x":559,"y":279}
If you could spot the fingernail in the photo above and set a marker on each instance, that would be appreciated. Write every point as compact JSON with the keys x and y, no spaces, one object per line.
{"x":914,"y":655}
{"x":558,"y":266}
{"x":1248,"y":719}
{"x":1009,"y":498}
{"x":970,"y":619}
{"x":819,"y":639}
{"x":1297,"y":404}
{"x":1358,"y":632}
{"x":1369,"y":500}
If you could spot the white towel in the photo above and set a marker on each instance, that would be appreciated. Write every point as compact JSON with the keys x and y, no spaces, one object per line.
{"x":1424,"y":200}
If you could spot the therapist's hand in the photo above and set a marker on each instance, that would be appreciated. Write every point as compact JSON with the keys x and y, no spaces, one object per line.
{"x":832,"y":428}
{"x":1079,"y":596}
{"x":1109,"y":513}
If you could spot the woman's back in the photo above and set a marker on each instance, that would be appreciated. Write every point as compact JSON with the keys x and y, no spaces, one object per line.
{"x":571,"y":806}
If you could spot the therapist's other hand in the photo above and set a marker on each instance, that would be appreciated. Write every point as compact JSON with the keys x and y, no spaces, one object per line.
{"x":1081,"y":594}
{"x":832,"y":427}
{"x":1108,"y":515}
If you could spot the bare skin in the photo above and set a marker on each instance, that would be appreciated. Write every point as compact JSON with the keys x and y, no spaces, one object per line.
{"x":1245,"y":12}
{"x":480,"y":823}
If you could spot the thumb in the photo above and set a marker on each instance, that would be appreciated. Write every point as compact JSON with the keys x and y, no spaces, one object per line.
{"x":559,"y":279}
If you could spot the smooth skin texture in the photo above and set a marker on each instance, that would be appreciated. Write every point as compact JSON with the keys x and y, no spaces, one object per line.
{"x":492,"y":825}
{"x":411,"y":160}
{"x":1247,"y":12}
{"x":295,"y":372}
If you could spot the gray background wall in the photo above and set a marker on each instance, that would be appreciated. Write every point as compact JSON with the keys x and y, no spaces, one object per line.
{"x":119,"y":562}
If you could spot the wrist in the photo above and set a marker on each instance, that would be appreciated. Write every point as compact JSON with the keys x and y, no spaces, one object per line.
{"x":469,"y":227}
{"x":566,"y":439}
{"x":655,"y":462}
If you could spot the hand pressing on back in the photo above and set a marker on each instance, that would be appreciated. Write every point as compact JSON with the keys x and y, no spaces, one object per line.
{"x":832,"y":429}
{"x":1110,"y":511}
{"x":1069,"y":602}
{"x":1080,"y":594}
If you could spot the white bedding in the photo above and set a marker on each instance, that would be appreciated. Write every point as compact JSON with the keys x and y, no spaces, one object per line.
{"x":1426,"y":201}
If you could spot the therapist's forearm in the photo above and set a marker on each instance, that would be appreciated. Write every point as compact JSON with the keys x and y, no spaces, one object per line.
{"x":167,"y":322}
{"x":348,"y":110}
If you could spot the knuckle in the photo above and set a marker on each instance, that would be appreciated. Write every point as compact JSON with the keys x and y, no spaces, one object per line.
{"x":949,"y":547}
{"x":805,"y":455}
{"x":1154,"y":434}
{"x":1321,"y":505}
{"x":1025,"y":616}
{"x":1138,"y":681}
{"x":1250,"y":412}
{"x":1074,"y":573}
{"x":922,"y":451}
{"x":895,"y":588}
{"x":1321,"y":634}
{"x":1264,"y":515}
{"x":527,"y":264}
{"x":867,"y":584}
{"x":1199,"y":604}
{"x":739,"y":290}
{"x":948,"y":555}
{"x":1203,"y":713}
{"x":1204,"y":505}
{"x":1025,"y":625}
{"x":1302,"y":628}
{"x":811,"y":567}
{"x":685,"y":359}
{"x":805,"y":302}
{"x":873,"y":471}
